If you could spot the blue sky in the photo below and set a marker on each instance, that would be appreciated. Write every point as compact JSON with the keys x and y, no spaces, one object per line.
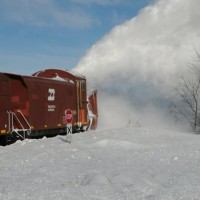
{"x":37,"y":34}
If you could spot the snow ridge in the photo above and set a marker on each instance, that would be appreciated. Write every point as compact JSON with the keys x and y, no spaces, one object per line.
{"x":119,"y":164}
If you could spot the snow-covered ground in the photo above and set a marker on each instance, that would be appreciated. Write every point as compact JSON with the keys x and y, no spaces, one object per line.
{"x":123,"y":164}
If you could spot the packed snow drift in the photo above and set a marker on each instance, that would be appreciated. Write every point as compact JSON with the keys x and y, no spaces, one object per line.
{"x":122,"y":164}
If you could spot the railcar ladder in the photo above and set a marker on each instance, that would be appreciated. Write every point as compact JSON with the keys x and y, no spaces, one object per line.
{"x":11,"y":129}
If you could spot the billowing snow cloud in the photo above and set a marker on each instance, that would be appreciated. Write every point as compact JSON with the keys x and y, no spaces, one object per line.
{"x":135,"y":66}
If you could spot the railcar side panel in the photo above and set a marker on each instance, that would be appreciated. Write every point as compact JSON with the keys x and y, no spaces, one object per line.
{"x":48,"y":101}
{"x":19,"y":101}
{"x":5,"y":104}
{"x":80,"y":96}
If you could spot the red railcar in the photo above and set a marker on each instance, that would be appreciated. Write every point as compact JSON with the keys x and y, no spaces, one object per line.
{"x":35,"y":105}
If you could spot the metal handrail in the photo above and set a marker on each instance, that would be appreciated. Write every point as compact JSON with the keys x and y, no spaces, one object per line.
{"x":19,"y":111}
{"x":11,"y":128}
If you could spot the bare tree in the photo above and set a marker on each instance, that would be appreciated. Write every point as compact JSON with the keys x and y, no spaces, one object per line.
{"x":196,"y":63}
{"x":189,"y":92}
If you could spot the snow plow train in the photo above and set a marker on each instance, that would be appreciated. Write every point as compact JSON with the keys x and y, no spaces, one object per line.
{"x":32,"y":106}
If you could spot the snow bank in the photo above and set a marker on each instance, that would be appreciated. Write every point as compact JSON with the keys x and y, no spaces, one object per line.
{"x":121,"y":164}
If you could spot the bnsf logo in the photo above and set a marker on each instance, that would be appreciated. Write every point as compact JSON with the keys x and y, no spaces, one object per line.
{"x":51,"y":96}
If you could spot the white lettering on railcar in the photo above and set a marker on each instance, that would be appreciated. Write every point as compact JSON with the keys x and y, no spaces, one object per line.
{"x":51,"y":108}
{"x":52,"y":93}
